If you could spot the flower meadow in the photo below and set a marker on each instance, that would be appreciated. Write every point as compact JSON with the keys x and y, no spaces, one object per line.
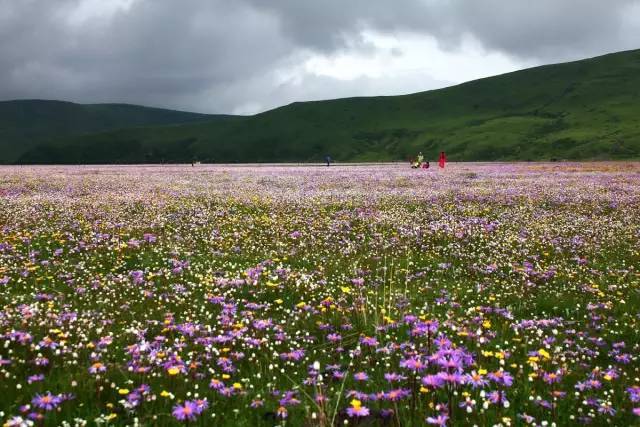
{"x":368,"y":295}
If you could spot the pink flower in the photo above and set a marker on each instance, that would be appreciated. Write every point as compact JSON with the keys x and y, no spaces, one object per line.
{"x":360,"y":376}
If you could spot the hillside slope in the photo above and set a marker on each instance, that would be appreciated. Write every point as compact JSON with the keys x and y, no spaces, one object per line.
{"x":579,"y":110}
{"x":24,"y":123}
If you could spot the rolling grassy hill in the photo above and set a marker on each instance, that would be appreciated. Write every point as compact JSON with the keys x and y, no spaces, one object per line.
{"x":25,"y":123}
{"x":586,"y":109}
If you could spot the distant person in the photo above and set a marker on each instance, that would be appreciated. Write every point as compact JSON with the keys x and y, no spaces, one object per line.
{"x":425,"y":165}
{"x":420,"y":158}
{"x":327,"y":160}
{"x":442,"y":160}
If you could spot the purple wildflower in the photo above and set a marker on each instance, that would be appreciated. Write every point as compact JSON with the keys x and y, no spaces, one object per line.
{"x":357,"y":410}
{"x":440,"y":420}
{"x":48,"y":401}
{"x":186,"y":411}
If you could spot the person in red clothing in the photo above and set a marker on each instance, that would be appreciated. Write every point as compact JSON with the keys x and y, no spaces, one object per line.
{"x":443,"y":159}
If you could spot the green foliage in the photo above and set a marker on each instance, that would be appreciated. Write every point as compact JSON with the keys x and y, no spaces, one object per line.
{"x":579,"y":110}
{"x":29,"y":124}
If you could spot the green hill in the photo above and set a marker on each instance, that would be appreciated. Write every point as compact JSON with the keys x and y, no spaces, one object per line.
{"x":586,"y":109}
{"x":25,"y":123}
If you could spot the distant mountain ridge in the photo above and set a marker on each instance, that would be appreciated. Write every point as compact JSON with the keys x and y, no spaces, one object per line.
{"x":25,"y":123}
{"x":586,"y":109}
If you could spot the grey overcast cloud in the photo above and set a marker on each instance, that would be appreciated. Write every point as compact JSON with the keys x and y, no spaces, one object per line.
{"x":247,"y":56}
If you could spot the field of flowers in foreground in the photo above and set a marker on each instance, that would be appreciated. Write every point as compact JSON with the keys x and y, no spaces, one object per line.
{"x":365,"y":295}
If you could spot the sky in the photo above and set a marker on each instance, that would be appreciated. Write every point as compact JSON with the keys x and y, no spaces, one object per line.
{"x":248,"y":56}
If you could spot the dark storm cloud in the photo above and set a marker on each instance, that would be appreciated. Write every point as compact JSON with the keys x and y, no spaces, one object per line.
{"x":551,"y":30}
{"x":541,"y":28}
{"x":333,"y":24}
{"x":155,"y":52}
{"x":223,"y":56}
